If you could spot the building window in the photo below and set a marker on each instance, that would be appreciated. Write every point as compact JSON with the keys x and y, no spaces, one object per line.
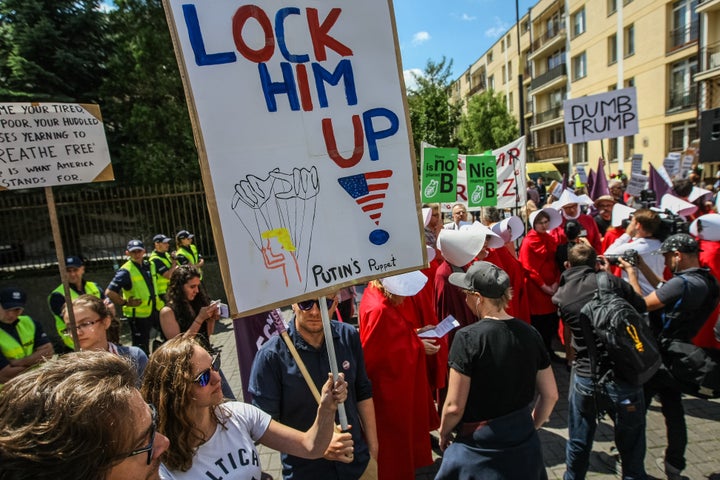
{"x":509,"y":69}
{"x":613,"y":150}
{"x":579,"y":65}
{"x":508,"y":41}
{"x":681,"y":134}
{"x":629,"y":146}
{"x":630,"y":82}
{"x":580,"y":152}
{"x":524,"y":26}
{"x":511,"y":107}
{"x":556,"y":59}
{"x":491,"y":82}
{"x":612,"y":49}
{"x":490,"y":56}
{"x":611,"y":7}
{"x":685,"y":23}
{"x":683,"y":91}
{"x":557,"y":97}
{"x":557,"y":135}
{"x":504,"y":75}
{"x":578,"y":22}
{"x":629,"y":40}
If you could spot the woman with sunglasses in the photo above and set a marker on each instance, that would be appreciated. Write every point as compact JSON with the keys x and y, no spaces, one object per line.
{"x":212,"y":439}
{"x":96,"y":326}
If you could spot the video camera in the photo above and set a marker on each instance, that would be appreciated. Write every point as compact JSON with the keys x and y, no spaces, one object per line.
{"x":629,"y":255}
{"x":670,"y":224}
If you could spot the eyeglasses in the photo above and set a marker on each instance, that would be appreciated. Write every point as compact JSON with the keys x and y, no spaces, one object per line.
{"x":204,"y":378}
{"x":308,"y":304}
{"x":81,"y":327}
{"x":149,"y":447}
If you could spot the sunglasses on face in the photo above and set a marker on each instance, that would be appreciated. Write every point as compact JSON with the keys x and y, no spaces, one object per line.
{"x":149,"y":447}
{"x":308,"y":304}
{"x":204,"y":378}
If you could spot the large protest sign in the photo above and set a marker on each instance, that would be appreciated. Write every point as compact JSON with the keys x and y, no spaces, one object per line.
{"x":439,"y":174}
{"x":605,"y":115}
{"x":301,"y":122}
{"x":510,"y":163}
{"x":48,"y":144}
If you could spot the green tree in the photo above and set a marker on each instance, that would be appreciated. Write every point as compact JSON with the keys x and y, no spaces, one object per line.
{"x":434,"y":118}
{"x":51,"y":50}
{"x":487,"y":125}
{"x":149,"y":130}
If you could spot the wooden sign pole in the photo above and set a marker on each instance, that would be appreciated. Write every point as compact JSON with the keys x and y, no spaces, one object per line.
{"x":50,"y":197}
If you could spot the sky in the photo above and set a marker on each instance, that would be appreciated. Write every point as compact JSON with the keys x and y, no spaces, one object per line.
{"x":461,"y":30}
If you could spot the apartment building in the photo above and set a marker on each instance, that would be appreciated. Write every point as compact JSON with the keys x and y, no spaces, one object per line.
{"x":571,"y":48}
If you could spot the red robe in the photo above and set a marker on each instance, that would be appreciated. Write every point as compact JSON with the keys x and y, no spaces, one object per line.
{"x":612,"y":234}
{"x":425,"y":314}
{"x":449,"y":299}
{"x":588,"y":223}
{"x":519,"y":306}
{"x":395,"y":363}
{"x":709,"y":257}
{"x":537,"y":256}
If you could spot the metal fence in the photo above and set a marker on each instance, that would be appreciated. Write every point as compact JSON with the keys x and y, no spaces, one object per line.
{"x":96,"y":222}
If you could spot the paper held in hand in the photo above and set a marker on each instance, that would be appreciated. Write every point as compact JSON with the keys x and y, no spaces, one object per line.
{"x":442,"y":328}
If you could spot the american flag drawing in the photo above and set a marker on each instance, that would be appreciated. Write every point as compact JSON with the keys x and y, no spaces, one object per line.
{"x":368,"y":190}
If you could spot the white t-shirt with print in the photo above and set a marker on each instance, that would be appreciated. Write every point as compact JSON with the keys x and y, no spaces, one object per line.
{"x":230,"y":453}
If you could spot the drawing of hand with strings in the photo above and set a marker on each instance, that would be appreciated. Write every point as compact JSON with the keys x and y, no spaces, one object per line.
{"x":253,"y":191}
{"x":302,"y":184}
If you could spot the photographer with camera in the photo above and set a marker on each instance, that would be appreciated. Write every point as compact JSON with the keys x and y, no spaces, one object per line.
{"x":640,"y":237}
{"x":685,"y":301}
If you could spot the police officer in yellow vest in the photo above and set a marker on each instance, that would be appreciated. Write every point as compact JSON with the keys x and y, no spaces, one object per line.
{"x":164,"y":263}
{"x":133,"y":288}
{"x":23,"y":343}
{"x":187,"y":252}
{"x":78,"y":286}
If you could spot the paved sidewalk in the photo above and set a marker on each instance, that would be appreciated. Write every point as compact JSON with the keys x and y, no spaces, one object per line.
{"x":702,"y":416}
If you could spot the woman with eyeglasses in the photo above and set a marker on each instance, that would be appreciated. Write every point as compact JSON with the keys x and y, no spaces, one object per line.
{"x":96,"y":328}
{"x":212,"y":439}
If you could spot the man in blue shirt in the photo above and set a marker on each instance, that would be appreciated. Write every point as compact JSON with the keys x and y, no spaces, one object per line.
{"x":279,"y":389}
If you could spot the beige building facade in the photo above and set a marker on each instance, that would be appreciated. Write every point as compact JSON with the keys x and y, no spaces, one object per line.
{"x":669,"y":50}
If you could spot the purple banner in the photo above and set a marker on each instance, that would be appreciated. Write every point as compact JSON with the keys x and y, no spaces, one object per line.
{"x":250,"y":334}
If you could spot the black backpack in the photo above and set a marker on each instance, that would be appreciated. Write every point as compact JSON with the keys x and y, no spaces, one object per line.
{"x":628,"y":340}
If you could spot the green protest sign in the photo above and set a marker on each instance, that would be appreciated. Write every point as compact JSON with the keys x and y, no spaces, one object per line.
{"x":481,"y":180}
{"x":439,"y":175}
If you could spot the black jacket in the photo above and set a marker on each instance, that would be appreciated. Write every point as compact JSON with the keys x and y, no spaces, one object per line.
{"x":577,"y":287}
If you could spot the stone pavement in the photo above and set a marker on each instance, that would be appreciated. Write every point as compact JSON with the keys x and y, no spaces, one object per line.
{"x":702,"y":416}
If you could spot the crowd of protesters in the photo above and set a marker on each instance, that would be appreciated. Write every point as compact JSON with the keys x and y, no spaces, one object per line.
{"x":513,"y":284}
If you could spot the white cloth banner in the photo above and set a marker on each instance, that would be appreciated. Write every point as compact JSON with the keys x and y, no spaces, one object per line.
{"x":301,"y":114}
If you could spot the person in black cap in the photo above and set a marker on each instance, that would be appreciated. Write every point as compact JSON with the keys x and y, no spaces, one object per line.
{"x":165,"y":264}
{"x":496,"y":366}
{"x":75,"y":268}
{"x":186,"y":252}
{"x":23,"y":343}
{"x":133,"y":288}
{"x":686,"y":301}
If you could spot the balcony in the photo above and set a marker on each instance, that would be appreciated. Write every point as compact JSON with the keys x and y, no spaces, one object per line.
{"x":550,"y":152}
{"x":553,"y":36}
{"x":682,"y":99}
{"x":547,"y":77}
{"x":528,"y":108}
{"x":684,"y":35}
{"x":711,"y":63}
{"x":707,"y":6}
{"x":548,"y":115}
{"x":476,"y":88}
